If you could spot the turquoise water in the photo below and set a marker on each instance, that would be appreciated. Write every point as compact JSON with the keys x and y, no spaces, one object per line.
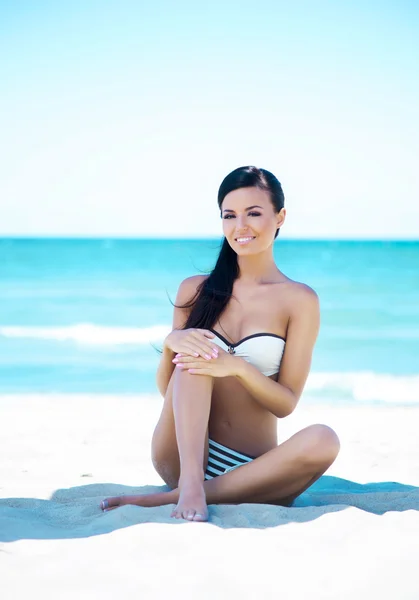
{"x":83,"y":315}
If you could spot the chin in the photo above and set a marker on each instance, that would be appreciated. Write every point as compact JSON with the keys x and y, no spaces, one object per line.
{"x":246,"y":250}
{"x":252,"y":248}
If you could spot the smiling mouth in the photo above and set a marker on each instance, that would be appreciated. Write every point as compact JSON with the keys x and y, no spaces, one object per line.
{"x":244,"y":239}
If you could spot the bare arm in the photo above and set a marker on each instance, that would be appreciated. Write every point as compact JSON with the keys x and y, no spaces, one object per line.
{"x":281,"y":397}
{"x":186,"y":292}
{"x":164,"y":370}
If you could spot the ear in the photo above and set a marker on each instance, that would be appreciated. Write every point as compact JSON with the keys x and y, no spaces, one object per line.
{"x":281,"y":217}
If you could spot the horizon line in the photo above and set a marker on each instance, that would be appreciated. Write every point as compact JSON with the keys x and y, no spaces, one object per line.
{"x":72,"y":237}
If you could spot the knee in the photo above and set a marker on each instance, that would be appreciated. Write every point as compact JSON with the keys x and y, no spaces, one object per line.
{"x":321,"y":445}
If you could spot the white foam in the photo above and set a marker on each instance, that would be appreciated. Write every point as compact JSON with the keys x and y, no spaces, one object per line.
{"x":366,"y":386}
{"x":88,"y":333}
{"x":357,"y":386}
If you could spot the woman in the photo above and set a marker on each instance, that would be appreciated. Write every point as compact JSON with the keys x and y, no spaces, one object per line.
{"x":237,"y":360}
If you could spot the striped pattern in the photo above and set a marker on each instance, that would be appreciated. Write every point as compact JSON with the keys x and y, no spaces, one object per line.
{"x":222,"y":459}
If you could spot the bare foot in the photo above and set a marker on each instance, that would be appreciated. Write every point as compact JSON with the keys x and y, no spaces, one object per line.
{"x":192,"y":504}
{"x":190,"y":497}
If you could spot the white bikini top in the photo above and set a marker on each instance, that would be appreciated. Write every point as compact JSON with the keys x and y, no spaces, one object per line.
{"x":262,"y":350}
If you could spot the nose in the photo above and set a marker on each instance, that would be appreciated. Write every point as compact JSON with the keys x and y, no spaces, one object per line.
{"x":241,"y":223}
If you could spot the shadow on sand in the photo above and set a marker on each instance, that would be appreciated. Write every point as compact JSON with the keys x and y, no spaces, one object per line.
{"x":75,"y":512}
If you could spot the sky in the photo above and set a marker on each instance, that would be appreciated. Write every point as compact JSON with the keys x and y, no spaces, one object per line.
{"x":121,"y":118}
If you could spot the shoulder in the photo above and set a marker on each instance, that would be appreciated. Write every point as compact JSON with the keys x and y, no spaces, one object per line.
{"x":189,"y":287}
{"x":304,"y":309}
{"x":185,"y":299}
{"x":302,"y":304}
{"x":303,"y":296}
{"x":296,"y":296}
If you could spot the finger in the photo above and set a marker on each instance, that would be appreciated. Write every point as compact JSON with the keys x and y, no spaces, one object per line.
{"x":208,"y":353}
{"x":208,"y":348}
{"x":200,"y":372}
{"x":207,"y":333}
{"x":184,"y":356}
{"x":187,"y":355}
{"x":202,"y":364}
{"x":188,"y":359}
{"x":205,"y":340}
{"x":204,"y":350}
{"x":190,"y":365}
{"x":190,"y":349}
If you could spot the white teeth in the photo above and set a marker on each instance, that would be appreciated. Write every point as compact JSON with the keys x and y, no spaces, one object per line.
{"x":244,"y":239}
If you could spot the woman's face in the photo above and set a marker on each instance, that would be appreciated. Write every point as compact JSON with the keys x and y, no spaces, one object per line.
{"x":249,"y":220}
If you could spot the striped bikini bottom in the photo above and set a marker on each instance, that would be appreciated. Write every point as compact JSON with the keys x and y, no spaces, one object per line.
{"x":222,"y":459}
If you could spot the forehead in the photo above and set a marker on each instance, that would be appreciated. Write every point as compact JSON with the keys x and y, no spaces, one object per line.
{"x":242,"y":198}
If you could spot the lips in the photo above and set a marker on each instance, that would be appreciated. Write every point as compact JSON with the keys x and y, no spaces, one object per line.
{"x":244,"y":239}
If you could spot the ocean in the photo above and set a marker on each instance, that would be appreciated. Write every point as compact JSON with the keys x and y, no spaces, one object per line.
{"x":87,"y":315}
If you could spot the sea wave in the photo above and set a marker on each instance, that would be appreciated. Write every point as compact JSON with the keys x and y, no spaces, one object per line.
{"x":88,"y":333}
{"x":356,"y":386}
{"x":363,"y":386}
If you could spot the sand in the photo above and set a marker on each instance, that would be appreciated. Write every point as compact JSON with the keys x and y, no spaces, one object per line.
{"x":354,"y":534}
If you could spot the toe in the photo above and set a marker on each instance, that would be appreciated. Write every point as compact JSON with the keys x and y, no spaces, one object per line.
{"x":200,"y":517}
{"x":110,"y":503}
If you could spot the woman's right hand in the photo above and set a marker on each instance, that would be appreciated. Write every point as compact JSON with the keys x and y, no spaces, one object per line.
{"x":192,"y":342}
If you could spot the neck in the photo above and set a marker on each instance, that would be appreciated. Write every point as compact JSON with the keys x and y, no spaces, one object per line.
{"x":257,"y":268}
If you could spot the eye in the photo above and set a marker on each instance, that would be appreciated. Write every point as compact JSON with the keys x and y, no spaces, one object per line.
{"x":250,"y":214}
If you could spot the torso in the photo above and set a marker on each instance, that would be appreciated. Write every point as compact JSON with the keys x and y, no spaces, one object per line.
{"x":236,"y":419}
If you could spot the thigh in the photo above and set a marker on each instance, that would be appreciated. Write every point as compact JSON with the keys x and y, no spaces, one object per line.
{"x":164,"y":448}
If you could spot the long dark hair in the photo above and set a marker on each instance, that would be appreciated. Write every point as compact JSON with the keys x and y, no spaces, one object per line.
{"x":214,"y":293}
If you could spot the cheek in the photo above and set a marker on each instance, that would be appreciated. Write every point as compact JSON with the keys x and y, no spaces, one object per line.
{"x":268,"y":226}
{"x":227,"y":226}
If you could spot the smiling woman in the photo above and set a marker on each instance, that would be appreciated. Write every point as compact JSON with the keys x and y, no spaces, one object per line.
{"x":236,"y":360}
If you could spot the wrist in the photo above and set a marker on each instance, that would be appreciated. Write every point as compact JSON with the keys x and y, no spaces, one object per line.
{"x":240,"y":367}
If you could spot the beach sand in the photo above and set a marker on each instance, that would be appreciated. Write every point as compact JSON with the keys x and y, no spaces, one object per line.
{"x":354,"y":534}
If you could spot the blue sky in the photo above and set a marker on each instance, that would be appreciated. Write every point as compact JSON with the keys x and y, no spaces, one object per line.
{"x":122,"y":118}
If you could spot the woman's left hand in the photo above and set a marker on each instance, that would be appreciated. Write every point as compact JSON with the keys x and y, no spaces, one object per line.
{"x":224,"y":365}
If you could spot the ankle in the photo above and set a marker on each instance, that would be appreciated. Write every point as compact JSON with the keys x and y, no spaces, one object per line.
{"x":191,"y":477}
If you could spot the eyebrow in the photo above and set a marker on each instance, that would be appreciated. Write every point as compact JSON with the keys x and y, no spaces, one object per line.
{"x":248,"y":208}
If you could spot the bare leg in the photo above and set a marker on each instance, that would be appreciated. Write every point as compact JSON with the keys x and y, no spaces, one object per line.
{"x":191,"y":408}
{"x":277,"y":477}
